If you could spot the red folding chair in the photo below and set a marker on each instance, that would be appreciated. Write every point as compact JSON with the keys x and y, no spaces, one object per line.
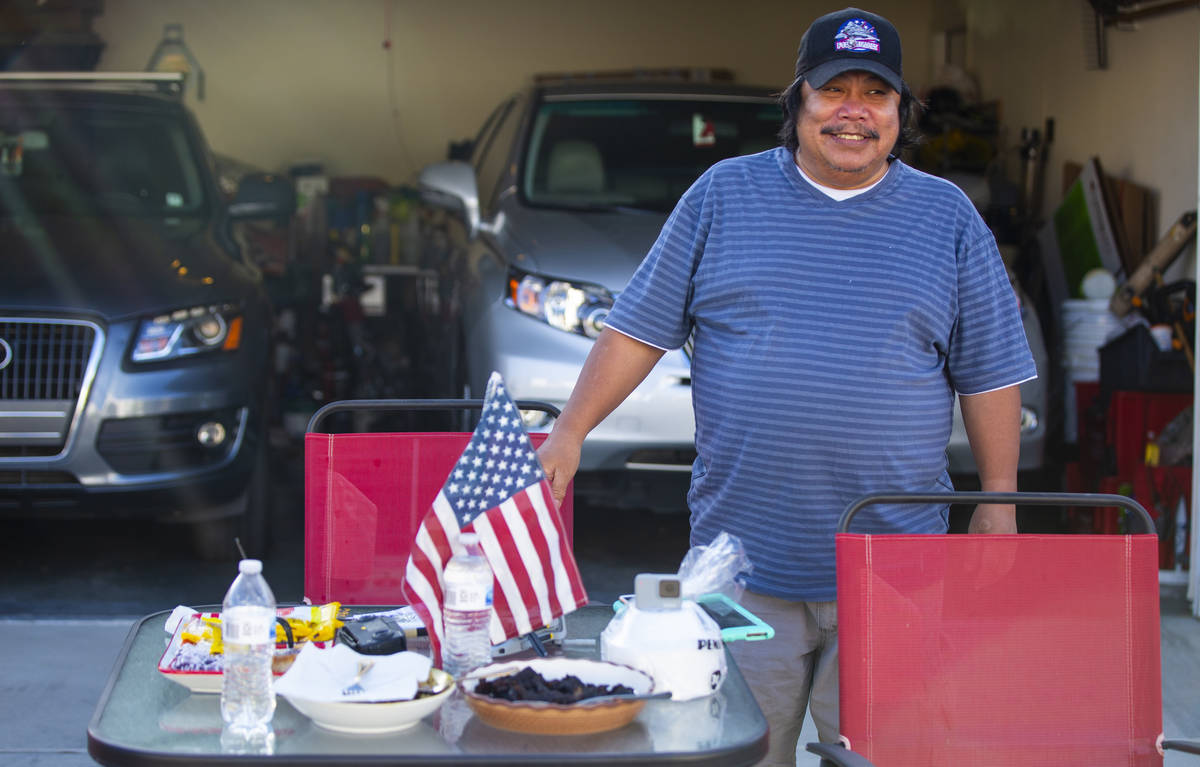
{"x":988,"y":650}
{"x":365,"y":495}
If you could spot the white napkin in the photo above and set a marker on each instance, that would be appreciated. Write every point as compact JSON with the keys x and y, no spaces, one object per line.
{"x":321,"y":674}
{"x":180,"y":614}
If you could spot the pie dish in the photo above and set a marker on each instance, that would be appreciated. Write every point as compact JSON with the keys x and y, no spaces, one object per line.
{"x":543,"y":718}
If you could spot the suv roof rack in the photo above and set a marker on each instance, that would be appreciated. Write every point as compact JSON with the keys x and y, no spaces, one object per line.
{"x":675,"y":74}
{"x":162,"y":82}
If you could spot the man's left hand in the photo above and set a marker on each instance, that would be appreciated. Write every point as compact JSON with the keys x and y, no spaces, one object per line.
{"x":993,"y":518}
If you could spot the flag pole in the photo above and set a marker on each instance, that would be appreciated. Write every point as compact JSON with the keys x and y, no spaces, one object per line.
{"x":536,"y":641}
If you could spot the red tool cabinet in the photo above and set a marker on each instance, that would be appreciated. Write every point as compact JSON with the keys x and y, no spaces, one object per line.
{"x":1112,"y":459}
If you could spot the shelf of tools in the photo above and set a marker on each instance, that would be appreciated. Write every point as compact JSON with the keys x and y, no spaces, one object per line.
{"x":356,"y":291}
{"x":1135,"y":424}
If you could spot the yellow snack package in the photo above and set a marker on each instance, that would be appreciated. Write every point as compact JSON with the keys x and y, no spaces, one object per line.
{"x":309,"y":623}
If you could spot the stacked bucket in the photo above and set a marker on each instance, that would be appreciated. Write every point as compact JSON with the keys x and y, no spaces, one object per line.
{"x":1087,"y":324}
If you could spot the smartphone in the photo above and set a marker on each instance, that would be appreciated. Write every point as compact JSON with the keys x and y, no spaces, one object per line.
{"x":736,"y":622}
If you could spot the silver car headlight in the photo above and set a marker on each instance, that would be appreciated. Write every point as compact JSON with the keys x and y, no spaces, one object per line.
{"x":185,"y":332}
{"x":569,"y":306}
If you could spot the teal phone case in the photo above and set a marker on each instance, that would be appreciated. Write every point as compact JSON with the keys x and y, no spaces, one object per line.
{"x":736,"y":622}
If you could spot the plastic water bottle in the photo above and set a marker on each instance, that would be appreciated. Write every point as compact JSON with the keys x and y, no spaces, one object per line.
{"x":468,"y":608}
{"x":248,"y":635}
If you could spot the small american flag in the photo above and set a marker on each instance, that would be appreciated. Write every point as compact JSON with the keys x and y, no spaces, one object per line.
{"x":498,"y":490}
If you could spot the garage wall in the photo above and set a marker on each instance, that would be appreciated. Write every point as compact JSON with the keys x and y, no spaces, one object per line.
{"x":292,"y":80}
{"x":1139,"y":116}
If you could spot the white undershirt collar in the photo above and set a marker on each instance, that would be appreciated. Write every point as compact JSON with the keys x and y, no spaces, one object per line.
{"x":839,"y":194}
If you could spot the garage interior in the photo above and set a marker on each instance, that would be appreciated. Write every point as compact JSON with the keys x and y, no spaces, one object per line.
{"x":1031,"y":104}
{"x":1066,"y":120}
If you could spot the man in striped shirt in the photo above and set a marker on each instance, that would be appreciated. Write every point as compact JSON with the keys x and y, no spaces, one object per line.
{"x":838,"y":300}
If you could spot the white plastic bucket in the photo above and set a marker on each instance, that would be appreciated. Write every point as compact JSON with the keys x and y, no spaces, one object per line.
{"x":1087,"y":324}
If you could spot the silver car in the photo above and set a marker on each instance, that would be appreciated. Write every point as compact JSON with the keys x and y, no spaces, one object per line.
{"x":543,"y":220}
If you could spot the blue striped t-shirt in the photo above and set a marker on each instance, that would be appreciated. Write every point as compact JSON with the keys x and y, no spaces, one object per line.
{"x":830,"y":337}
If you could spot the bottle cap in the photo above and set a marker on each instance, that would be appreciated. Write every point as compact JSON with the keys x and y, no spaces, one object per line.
{"x":250,"y":566}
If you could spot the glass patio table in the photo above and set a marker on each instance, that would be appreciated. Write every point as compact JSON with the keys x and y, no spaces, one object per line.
{"x":144,"y":718}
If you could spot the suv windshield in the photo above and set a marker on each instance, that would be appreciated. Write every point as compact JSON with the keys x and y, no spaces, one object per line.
{"x":127,"y":163}
{"x":637,"y":152}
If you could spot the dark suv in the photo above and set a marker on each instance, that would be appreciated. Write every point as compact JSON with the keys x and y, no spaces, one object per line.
{"x":134,"y":337}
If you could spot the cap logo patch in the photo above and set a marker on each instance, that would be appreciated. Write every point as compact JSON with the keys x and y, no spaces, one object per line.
{"x":856,"y":35}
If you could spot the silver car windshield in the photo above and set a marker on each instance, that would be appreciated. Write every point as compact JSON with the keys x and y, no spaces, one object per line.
{"x":637,"y":152}
{"x":76,"y":161}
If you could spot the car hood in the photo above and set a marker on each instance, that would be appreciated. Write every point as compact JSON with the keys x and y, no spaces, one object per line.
{"x":597,"y":247}
{"x":112,"y":268}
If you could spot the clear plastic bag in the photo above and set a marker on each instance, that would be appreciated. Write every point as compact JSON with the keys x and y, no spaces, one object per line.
{"x":719,"y":567}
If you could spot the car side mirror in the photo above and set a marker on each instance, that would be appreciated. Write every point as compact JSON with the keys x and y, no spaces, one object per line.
{"x":452,"y":186}
{"x":263,"y":195}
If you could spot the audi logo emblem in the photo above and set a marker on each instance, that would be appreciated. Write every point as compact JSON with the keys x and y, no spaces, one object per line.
{"x":5,"y":354}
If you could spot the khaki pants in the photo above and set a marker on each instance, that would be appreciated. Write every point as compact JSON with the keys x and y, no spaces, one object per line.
{"x":795,"y":669}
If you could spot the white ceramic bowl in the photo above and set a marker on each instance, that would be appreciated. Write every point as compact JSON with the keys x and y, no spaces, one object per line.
{"x":373,"y":718}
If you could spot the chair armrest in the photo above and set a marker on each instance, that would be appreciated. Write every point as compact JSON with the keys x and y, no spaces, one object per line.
{"x":837,"y":754}
{"x":1186,"y":746}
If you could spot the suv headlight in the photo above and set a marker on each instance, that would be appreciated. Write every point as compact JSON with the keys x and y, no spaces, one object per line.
{"x":571,"y":306}
{"x":185,"y":332}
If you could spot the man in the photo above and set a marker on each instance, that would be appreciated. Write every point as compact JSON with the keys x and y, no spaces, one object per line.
{"x":837,"y":300}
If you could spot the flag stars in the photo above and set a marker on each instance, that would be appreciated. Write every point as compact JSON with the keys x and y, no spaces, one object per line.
{"x":497,"y":461}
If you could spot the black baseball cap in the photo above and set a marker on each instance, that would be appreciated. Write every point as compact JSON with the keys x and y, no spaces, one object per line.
{"x":846,"y":40}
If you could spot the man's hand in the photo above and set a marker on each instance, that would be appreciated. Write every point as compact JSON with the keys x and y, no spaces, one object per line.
{"x":560,"y":461}
{"x":993,"y":518}
{"x":613,"y":368}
